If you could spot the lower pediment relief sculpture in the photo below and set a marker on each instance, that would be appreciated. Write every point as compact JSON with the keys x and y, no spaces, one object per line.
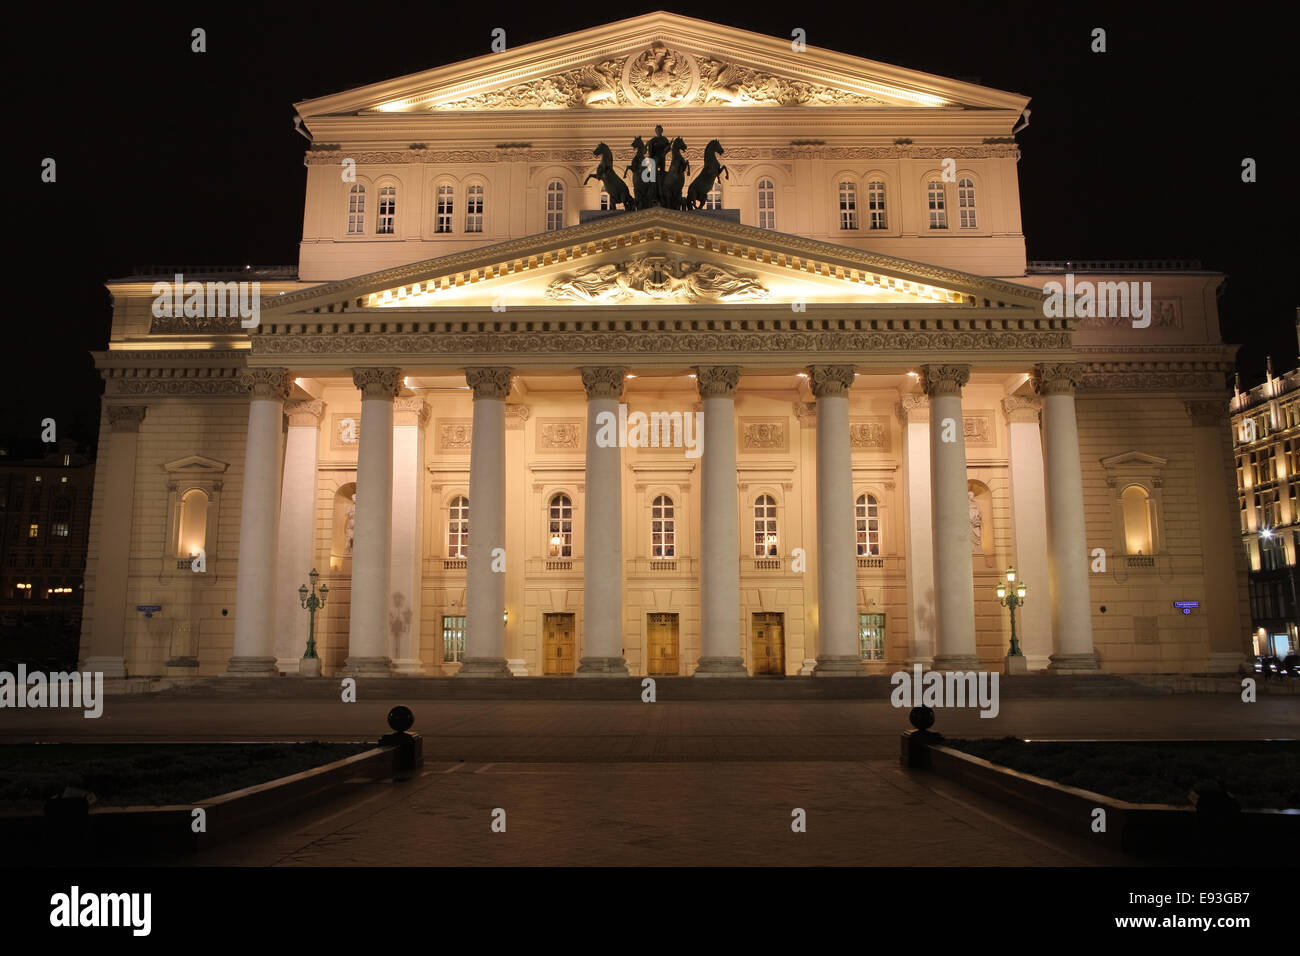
{"x":658,"y":278}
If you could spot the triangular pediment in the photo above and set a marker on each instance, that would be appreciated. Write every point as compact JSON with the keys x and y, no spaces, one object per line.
{"x":195,"y":465}
{"x":660,"y":61}
{"x":655,"y":257}
{"x":1133,"y":461}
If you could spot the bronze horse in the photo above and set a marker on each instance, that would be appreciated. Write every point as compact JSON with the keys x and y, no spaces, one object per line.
{"x":670,"y":190}
{"x":703,"y":183}
{"x":645,"y":190}
{"x":612,"y":181}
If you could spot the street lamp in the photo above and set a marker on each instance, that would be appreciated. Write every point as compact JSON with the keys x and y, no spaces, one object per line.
{"x":310,"y":664}
{"x":1012,"y":595}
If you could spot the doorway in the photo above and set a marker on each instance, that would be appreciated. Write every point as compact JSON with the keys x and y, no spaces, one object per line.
{"x":661,"y":645}
{"x":768,"y":645}
{"x":558,"y":644}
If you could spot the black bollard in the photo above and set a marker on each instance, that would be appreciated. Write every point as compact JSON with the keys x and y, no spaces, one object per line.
{"x":917,"y":743}
{"x":409,"y":755}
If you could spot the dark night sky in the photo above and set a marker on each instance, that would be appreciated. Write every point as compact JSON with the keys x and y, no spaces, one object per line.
{"x":171,"y":157}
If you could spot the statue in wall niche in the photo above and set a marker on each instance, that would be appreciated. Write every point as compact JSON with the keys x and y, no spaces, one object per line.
{"x":349,"y":524}
{"x":976,"y":524}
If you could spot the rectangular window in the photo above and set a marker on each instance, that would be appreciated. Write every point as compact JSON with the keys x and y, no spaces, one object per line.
{"x":938,"y":205}
{"x":453,"y":639}
{"x":33,"y":531}
{"x":442,"y":221}
{"x":871,"y":636}
{"x":59,"y":529}
{"x":387,"y":210}
{"x":474,"y":209}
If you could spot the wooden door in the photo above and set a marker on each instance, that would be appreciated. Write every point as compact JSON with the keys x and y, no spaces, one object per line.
{"x":558,"y":644}
{"x":661,"y":645}
{"x":768,"y":645}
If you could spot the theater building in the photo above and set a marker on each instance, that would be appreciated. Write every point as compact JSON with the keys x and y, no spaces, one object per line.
{"x":802,"y":428}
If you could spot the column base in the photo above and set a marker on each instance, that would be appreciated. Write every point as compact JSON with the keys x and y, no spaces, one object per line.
{"x":839,"y":665}
{"x":252,"y":667}
{"x":721,"y":667}
{"x":807,"y":669}
{"x":368,"y":667}
{"x":287,"y":665}
{"x":927,"y":663}
{"x":309,"y":667}
{"x":1074,"y":664}
{"x":408,"y":667}
{"x":1016,"y":664}
{"x":956,"y":662}
{"x":1229,"y":662}
{"x":484,"y":667}
{"x":518,"y":666}
{"x":602,"y":667}
{"x":108,"y":666}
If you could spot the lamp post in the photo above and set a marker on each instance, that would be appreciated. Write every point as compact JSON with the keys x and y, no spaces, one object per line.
{"x":1012,"y":595}
{"x":309,"y":666}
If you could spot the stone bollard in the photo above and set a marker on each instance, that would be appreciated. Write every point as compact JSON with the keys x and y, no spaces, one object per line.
{"x":916,"y":743}
{"x":409,"y":755}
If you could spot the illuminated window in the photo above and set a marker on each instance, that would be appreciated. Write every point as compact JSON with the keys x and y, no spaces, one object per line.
{"x":559,"y":532}
{"x":1137,"y":519}
{"x":876,"y":205}
{"x":867,"y":512}
{"x":663,"y":528}
{"x":357,"y":210}
{"x":458,"y":527}
{"x":848,"y":206}
{"x":193,"y":529}
{"x":387,"y":211}
{"x":765,"y":541}
{"x":474,"y":209}
{"x":554,"y":205}
{"x":714,"y":199}
{"x":604,"y":201}
{"x":766,"y":204}
{"x":34,"y":531}
{"x":871,"y":636}
{"x":442,"y":221}
{"x":938,"y":205}
{"x":966,"y":203}
{"x":453,"y":639}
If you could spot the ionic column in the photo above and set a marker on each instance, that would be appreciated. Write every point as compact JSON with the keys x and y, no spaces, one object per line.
{"x":914,"y":415}
{"x":1222,"y":565}
{"x":410,"y":415}
{"x":719,"y":535}
{"x":297,"y":530}
{"x":839,"y":653}
{"x":1067,"y":538}
{"x":1029,"y":525}
{"x":103,"y":639}
{"x":602,"y":574}
{"x":485,"y":583}
{"x":372,"y":529}
{"x":954,"y":579}
{"x":259,"y":518}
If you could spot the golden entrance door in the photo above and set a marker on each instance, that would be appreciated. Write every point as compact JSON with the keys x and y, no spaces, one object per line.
{"x":661,"y":645}
{"x":768,"y":644}
{"x":558,"y":644}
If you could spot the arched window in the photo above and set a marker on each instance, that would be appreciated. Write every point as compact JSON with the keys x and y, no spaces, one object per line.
{"x":848,"y":205}
{"x":444,"y":209}
{"x":876,"y":205}
{"x":560,"y":526}
{"x":663,"y":528}
{"x":61,"y":518}
{"x":765,"y":542}
{"x":387,"y":211}
{"x":357,"y":210}
{"x":867,"y":513}
{"x":966,"y":202}
{"x":554,"y":205}
{"x":474,"y":209}
{"x":938,"y":204}
{"x":766,"y":204}
{"x":458,"y":527}
{"x":193,"y":523}
{"x":714,"y":199}
{"x":1137,"y":520}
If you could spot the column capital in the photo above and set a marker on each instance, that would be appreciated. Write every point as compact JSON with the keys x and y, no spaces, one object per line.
{"x":913,"y":408}
{"x":267,"y":382}
{"x":806,"y":413}
{"x":126,"y":418}
{"x":944,"y":379}
{"x":1207,"y":414}
{"x":1056,"y":378}
{"x":410,"y":411}
{"x":1022,"y":408}
{"x":717,"y":381}
{"x":377,"y":382}
{"x":603,"y":381}
{"x":827,"y":381}
{"x":491,"y":382}
{"x":305,"y":414}
{"x":516,"y":415}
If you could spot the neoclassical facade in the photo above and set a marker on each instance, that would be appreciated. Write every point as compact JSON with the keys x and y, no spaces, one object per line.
{"x":803,"y":428}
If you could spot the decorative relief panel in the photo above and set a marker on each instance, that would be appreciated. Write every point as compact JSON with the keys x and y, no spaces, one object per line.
{"x":977,"y":428}
{"x":1165,"y":314}
{"x":560,"y":435}
{"x":454,"y":435}
{"x":657,"y":278}
{"x":345,"y":431}
{"x":869,"y":433}
{"x":763,"y":435}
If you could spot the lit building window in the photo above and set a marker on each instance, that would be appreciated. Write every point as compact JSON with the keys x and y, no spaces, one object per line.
{"x":765,"y":540}
{"x":938,"y":205}
{"x":560,"y":527}
{"x":474,"y":209}
{"x":871,"y":636}
{"x":766,"y":204}
{"x":966,"y":203}
{"x":193,"y":526}
{"x":458,"y":527}
{"x":848,"y":206}
{"x":387,"y":210}
{"x":868,"y":524}
{"x":554,"y":205}
{"x":442,"y":219}
{"x":663,"y":528}
{"x":34,"y":531}
{"x":604,"y":201}
{"x":876,"y":205}
{"x":1137,"y":520}
{"x":453,"y":638}
{"x":714,"y":199}
{"x":357,"y":210}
